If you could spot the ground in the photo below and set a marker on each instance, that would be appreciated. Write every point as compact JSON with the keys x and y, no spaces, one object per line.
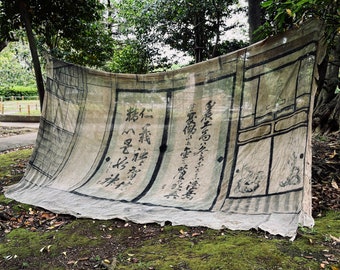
{"x":326,"y":173}
{"x":10,"y":131}
{"x":32,"y":238}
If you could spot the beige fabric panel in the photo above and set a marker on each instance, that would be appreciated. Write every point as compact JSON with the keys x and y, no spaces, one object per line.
{"x":223,"y":143}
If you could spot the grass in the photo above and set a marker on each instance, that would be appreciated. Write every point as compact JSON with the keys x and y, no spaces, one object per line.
{"x":113,"y":244}
{"x":7,"y":161}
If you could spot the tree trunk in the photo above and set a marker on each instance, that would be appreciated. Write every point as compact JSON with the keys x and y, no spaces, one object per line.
{"x":3,"y":45}
{"x":199,"y":36}
{"x":326,"y":116}
{"x":255,"y":17}
{"x":217,"y":30}
{"x":33,"y":49}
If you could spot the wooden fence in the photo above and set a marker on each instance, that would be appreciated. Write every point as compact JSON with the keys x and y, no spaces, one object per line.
{"x":21,"y":105}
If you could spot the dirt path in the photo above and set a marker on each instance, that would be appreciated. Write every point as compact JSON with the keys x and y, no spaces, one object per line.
{"x":16,"y":135}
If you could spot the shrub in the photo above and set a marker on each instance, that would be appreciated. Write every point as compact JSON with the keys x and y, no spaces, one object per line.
{"x":18,"y":91}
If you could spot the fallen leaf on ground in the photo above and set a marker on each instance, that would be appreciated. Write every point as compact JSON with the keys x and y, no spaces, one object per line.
{"x":334,"y":184}
{"x":335,"y":239}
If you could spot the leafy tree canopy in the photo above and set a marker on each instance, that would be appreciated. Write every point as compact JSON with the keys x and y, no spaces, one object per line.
{"x":195,"y":26}
{"x":190,"y":26}
{"x":130,"y":57}
{"x":68,"y":29}
{"x":15,"y":66}
{"x":282,"y":15}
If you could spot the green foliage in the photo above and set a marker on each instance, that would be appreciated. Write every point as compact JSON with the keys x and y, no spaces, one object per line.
{"x":19,"y":91}
{"x":158,"y":26}
{"x":16,"y":74}
{"x":83,"y":32}
{"x":337,"y":90}
{"x":137,"y":48}
{"x":8,"y":21}
{"x":72,"y":30}
{"x":282,"y":15}
{"x":230,"y":46}
{"x":15,"y":67}
{"x":131,"y":57}
{"x":89,"y":49}
{"x":193,"y":26}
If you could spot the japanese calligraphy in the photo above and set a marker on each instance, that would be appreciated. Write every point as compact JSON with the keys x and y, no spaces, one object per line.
{"x":125,"y":169}
{"x":185,"y":185}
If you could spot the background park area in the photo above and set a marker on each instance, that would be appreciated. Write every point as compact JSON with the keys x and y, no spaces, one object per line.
{"x":145,"y":36}
{"x":20,"y":106}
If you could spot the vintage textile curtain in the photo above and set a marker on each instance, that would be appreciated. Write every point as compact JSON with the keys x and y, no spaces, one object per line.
{"x":223,"y":144}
